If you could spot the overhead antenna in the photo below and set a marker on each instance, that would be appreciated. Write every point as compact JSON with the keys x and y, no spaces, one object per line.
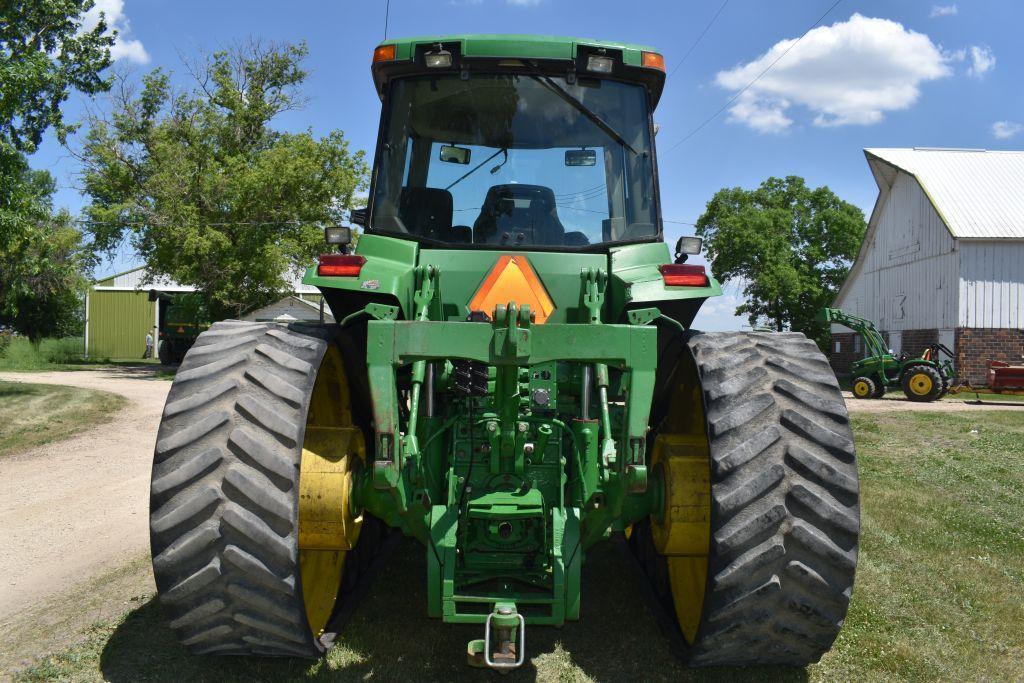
{"x":387,"y":12}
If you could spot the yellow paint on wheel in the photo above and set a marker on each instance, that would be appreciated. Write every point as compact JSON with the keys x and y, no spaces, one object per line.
{"x":681,"y":531}
{"x":688,"y":576}
{"x":921,"y":384}
{"x":861,"y":389}
{"x":333,"y":449}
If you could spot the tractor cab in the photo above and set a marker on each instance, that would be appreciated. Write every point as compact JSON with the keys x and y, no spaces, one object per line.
{"x":552,"y":150}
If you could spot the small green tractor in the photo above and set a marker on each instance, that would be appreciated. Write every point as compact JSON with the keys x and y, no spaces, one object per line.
{"x":511,"y":380}
{"x":923,"y":378}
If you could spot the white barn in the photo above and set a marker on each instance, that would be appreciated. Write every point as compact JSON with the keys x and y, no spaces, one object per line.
{"x":943,"y":257}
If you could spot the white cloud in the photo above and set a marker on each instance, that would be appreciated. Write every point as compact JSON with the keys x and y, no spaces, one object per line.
{"x":1006,"y":129}
{"x":944,"y":10}
{"x":124,"y":47}
{"x":982,"y":61}
{"x":852,"y":72}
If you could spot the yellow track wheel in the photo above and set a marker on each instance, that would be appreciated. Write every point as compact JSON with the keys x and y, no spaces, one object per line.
{"x":333,"y":449}
{"x":682,"y":530}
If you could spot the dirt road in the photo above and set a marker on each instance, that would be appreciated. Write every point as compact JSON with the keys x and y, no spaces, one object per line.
{"x":957,"y":404}
{"x":74,"y":510}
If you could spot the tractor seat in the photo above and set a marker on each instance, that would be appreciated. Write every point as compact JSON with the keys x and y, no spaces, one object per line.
{"x":426,"y":211}
{"x":512,"y":210}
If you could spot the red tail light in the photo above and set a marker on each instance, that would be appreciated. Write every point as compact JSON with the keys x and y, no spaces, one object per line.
{"x":340,"y":265}
{"x":682,"y":275}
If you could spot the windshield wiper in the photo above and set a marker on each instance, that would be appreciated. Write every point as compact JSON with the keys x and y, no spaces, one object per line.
{"x":477,"y":167}
{"x":585,"y":110}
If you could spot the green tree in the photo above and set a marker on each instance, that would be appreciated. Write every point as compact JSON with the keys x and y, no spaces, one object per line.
{"x":788,"y":246}
{"x":44,"y":260}
{"x":44,"y":56}
{"x":208,"y":192}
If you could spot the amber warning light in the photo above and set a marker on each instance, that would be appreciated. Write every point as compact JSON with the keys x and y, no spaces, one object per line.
{"x":340,"y":265}
{"x":384,"y":53}
{"x":652,"y":60}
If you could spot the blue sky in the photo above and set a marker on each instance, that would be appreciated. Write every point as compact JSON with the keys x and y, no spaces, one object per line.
{"x":875,"y":74}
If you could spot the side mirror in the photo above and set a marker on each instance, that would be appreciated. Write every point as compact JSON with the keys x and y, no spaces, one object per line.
{"x":687,"y":245}
{"x":580,"y":157}
{"x":358,"y":216}
{"x":450,"y":154}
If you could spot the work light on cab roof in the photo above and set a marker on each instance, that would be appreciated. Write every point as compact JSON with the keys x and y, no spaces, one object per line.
{"x":512,"y":379}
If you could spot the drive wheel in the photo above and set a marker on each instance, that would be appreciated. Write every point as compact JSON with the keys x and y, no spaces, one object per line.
{"x":922,"y":383}
{"x":865,"y":387}
{"x":164,"y":352}
{"x":251,"y":525}
{"x":755,"y":547}
{"x":879,"y":391}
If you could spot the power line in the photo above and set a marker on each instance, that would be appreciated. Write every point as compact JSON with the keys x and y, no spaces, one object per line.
{"x":699,"y":38}
{"x":756,"y":79}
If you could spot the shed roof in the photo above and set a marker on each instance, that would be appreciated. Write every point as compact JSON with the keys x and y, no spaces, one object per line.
{"x":978,"y":193}
{"x":136,"y":280}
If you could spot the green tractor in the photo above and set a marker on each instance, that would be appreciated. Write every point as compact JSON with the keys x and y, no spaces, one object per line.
{"x":923,"y":378}
{"x":181,"y":319}
{"x":512,"y":380}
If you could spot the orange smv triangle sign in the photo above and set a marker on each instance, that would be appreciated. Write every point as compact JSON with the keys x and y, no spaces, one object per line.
{"x":513,"y":280}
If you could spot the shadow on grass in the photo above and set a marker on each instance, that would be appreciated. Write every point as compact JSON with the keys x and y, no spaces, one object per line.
{"x":389,"y":638}
{"x":12,"y":389}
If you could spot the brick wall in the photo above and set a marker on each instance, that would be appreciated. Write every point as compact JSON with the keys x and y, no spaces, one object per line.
{"x":976,"y":347}
{"x":916,"y":341}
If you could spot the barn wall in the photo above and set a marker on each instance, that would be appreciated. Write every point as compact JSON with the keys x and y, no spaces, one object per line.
{"x":908,"y":279}
{"x":992,"y":284}
{"x":976,"y":348}
{"x":118,"y":323}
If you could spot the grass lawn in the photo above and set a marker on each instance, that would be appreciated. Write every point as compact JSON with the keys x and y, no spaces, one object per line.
{"x":34,"y":414}
{"x":939,"y":593}
{"x":65,"y":354}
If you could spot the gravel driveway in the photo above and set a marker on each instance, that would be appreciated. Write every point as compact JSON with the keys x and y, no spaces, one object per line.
{"x":74,"y":509}
{"x":897,"y":401}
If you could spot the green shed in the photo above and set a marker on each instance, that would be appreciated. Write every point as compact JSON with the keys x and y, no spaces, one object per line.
{"x":119,"y":314}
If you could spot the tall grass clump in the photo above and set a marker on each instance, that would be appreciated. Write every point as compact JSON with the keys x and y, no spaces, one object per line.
{"x":20,"y":354}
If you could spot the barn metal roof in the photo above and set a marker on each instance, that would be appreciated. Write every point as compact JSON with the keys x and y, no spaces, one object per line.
{"x":978,"y":193}
{"x":136,"y":280}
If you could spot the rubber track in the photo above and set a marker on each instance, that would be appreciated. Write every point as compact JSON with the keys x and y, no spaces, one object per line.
{"x":224,"y":494}
{"x":785,"y":502}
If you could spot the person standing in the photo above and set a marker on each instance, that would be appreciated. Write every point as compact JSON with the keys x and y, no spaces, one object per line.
{"x":148,"y":353}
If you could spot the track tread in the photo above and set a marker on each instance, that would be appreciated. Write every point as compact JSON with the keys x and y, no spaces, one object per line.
{"x":225,"y":489}
{"x":181,"y":470}
{"x":785,"y":509}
